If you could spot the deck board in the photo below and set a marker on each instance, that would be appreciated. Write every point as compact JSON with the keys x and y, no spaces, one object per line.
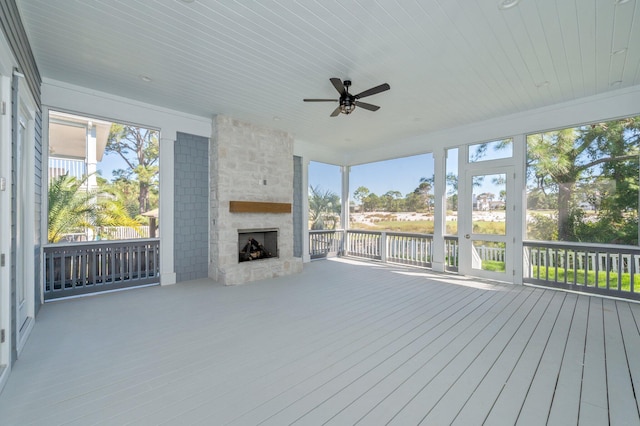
{"x":412,"y":400}
{"x":622,"y":402}
{"x":593,"y":398}
{"x":631,"y":340}
{"x":537,"y":402}
{"x":344,"y":342}
{"x":490,"y":370}
{"x":518,"y":363}
{"x":319,"y":405}
{"x":453,"y":340}
{"x":565,"y":406}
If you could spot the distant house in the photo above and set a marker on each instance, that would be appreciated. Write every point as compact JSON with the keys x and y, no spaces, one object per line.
{"x":76,"y":145}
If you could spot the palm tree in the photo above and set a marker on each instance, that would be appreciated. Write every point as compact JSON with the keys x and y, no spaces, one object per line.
{"x":72,"y":208}
{"x":324,"y":206}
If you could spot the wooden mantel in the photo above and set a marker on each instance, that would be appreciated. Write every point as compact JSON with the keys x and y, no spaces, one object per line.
{"x":258,"y":207}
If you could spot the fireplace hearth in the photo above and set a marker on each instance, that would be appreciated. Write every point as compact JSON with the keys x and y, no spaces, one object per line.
{"x":257,"y":244}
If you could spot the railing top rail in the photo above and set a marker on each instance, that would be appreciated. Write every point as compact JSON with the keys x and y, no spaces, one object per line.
{"x":605,"y":248}
{"x":409,"y":234}
{"x":324,"y":231}
{"x":363,"y":231}
{"x":101,"y":243}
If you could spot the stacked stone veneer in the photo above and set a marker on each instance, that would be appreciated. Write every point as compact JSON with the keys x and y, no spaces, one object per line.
{"x":242,"y":157}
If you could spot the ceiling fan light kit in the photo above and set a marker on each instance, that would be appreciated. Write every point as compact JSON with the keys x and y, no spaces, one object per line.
{"x":347,"y":101}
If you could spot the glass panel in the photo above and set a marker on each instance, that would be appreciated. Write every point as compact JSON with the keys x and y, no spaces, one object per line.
{"x":489,"y":199}
{"x":491,"y":150}
{"x":452,"y":192}
{"x":582,"y":183}
{"x":110,"y":171}
{"x":394,"y":195}
{"x":489,"y":256}
{"x":325,"y":204}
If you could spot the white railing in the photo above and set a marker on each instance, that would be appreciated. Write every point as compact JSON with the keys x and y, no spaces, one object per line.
{"x":366,"y":244}
{"x":410,"y":249}
{"x":490,"y":253}
{"x":125,"y":232}
{"x":451,"y":250}
{"x":607,"y":269}
{"x":65,"y":166}
{"x":393,"y":247}
{"x":108,"y":233}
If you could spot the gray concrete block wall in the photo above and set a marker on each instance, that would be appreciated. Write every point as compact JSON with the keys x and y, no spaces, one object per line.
{"x":191,"y":208}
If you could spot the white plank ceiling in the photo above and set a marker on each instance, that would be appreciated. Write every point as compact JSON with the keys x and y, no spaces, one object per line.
{"x":449,"y":62}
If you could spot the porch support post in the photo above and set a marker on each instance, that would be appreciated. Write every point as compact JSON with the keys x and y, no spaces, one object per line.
{"x":346,"y":206}
{"x":517,"y":230}
{"x":91,"y":155}
{"x":344,"y":215}
{"x":440,"y":209}
{"x":166,"y":208}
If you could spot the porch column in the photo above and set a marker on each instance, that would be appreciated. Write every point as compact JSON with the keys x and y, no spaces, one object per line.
{"x":440,"y":209}
{"x":346,"y":208}
{"x":91,"y":155}
{"x":344,"y":214}
{"x":517,"y":231}
{"x":165,"y":216}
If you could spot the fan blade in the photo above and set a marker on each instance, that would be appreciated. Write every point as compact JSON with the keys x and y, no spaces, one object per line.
{"x":373,"y":91}
{"x":337,"y":83}
{"x":336,"y":112}
{"x":367,"y":106}
{"x":320,"y":100}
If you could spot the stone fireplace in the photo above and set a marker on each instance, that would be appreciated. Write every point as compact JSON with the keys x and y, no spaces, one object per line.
{"x":251,"y":192}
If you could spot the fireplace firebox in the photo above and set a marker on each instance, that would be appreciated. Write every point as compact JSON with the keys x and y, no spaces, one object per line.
{"x":257,"y":244}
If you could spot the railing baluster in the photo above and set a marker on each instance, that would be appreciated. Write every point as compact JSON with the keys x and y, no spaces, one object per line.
{"x":79,"y":268}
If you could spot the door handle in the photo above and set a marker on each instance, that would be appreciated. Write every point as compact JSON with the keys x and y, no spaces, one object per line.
{"x":467,"y":236}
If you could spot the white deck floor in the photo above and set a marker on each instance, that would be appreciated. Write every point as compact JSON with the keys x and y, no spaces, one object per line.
{"x":341,"y":343}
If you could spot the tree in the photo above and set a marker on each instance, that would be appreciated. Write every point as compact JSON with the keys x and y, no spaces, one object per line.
{"x":324,"y":208}
{"x":608,"y":150}
{"x":391,"y":200}
{"x":423,"y":191}
{"x":139,"y":148}
{"x":360,"y":194}
{"x":413,"y":202}
{"x":452,"y":191}
{"x":73,"y":208}
{"x":371,"y":202}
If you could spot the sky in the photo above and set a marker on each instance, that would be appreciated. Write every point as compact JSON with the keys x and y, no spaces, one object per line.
{"x":402,"y":174}
{"x":393,"y":175}
{"x":110,"y":161}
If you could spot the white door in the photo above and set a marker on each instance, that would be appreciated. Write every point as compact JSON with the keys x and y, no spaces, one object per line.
{"x":485,"y":215}
{"x":21,"y":226}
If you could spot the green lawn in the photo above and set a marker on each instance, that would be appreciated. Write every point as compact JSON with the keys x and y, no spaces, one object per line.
{"x":591,"y":281}
{"x":493,"y":265}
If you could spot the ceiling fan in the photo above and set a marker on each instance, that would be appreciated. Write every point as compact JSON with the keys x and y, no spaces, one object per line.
{"x":349,"y":102}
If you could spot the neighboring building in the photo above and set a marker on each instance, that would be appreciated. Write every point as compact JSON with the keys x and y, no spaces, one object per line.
{"x":76,"y":145}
